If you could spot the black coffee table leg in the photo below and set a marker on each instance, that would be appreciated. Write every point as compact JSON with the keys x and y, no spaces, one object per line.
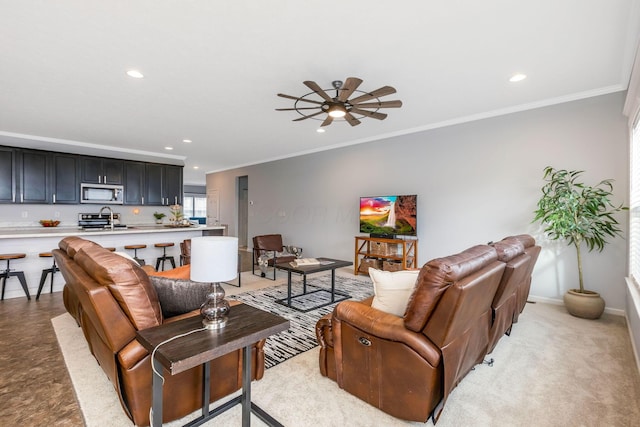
{"x":289,"y":288}
{"x":333,"y":284}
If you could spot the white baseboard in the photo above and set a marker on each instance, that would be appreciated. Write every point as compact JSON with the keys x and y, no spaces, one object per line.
{"x":555,"y":301}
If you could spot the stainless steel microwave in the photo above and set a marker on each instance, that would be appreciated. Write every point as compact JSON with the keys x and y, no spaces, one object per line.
{"x":101,"y":194}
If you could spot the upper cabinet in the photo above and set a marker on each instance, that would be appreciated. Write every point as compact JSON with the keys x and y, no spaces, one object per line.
{"x":173,"y":184}
{"x":34,"y":180}
{"x":7,"y":175}
{"x":134,"y":183}
{"x":65,"y":178}
{"x":45,"y":177}
{"x":164,"y":185}
{"x":98,"y":170}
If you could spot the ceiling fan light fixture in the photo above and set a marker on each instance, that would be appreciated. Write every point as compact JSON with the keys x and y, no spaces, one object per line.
{"x":348,"y":101}
{"x":337,"y":111}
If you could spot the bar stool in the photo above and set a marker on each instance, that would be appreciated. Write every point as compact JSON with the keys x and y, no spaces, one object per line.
{"x":45,"y":272}
{"x":135,"y":252}
{"x":164,"y":256}
{"x":8,"y":273}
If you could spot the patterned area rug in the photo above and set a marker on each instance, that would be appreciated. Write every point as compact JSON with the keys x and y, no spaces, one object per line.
{"x":301,"y":335}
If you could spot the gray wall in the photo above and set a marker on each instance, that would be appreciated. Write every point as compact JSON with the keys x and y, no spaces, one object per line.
{"x":476,"y":182}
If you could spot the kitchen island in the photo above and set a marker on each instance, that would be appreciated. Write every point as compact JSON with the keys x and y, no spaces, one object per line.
{"x":34,"y":240}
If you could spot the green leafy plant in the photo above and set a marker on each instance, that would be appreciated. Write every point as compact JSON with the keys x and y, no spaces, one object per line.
{"x":576,"y":212}
{"x":158,"y":215}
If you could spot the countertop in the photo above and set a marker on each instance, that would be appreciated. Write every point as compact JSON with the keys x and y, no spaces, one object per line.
{"x":31,"y":232}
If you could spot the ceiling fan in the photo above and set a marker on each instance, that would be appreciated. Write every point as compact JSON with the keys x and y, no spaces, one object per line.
{"x":364,"y":104}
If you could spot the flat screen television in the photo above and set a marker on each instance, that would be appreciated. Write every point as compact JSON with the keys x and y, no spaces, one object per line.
{"x":388,"y":216}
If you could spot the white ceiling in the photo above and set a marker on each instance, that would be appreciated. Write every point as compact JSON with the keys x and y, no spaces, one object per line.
{"x":213,"y":69}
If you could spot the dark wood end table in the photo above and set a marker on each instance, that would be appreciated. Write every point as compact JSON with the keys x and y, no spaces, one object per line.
{"x":326,"y":264}
{"x":246,"y":325}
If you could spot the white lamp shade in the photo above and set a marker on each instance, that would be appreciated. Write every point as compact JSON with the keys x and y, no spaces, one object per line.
{"x":214,"y":258}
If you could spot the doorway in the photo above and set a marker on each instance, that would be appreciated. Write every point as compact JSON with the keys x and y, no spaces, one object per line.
{"x":243,"y":212}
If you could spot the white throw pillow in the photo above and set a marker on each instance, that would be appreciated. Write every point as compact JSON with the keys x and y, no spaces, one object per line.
{"x":392,"y":289}
{"x":127,"y":256}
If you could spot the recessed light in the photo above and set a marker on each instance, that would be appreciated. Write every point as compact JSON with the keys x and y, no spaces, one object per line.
{"x":168,"y":148}
{"x":196,"y":167}
{"x":518,"y":77}
{"x":135,"y":74}
{"x":187,"y":141}
{"x":320,"y":130}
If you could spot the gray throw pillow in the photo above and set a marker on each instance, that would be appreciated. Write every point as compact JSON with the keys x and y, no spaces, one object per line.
{"x":178,"y":296}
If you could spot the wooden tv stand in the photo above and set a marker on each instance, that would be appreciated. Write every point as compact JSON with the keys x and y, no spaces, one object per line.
{"x":384,"y":254}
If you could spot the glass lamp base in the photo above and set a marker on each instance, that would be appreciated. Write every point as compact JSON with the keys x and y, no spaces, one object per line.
{"x":214,"y":310}
{"x":217,"y":323}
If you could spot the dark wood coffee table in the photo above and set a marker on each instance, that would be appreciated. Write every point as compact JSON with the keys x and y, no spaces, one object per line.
{"x":326,"y":264}
{"x":246,"y":325}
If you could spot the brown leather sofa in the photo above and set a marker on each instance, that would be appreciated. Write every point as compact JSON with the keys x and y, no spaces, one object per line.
{"x":111,"y":298}
{"x":407,"y":366}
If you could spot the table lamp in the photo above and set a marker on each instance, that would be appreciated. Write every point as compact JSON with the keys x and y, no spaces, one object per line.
{"x":214,"y":259}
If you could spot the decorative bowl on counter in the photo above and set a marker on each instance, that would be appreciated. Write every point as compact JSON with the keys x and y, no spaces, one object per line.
{"x":49,"y":223}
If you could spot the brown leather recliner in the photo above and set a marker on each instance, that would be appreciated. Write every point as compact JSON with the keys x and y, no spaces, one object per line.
{"x":407,"y":366}
{"x":111,"y":298}
{"x":269,"y":246}
{"x":533,"y":251}
{"x":505,"y":301}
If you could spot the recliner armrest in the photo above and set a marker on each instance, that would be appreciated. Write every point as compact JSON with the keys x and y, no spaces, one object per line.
{"x":386,"y":326}
{"x":131,"y":354}
{"x":323,"y":331}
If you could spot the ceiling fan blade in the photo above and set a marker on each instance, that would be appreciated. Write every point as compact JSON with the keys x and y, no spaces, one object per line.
{"x":348,"y":87}
{"x":317,"y":89}
{"x":296,"y":109}
{"x":352,"y":120}
{"x":380,"y":104}
{"x":372,"y":114}
{"x":385,"y":90}
{"x":327,"y":121}
{"x":300,"y":99}
{"x":308,"y":117}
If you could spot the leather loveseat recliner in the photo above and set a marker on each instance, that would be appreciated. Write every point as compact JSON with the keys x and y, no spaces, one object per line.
{"x":407,"y":366}
{"x":111,"y":298}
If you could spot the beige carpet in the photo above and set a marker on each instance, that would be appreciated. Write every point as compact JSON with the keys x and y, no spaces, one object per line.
{"x":554,"y":370}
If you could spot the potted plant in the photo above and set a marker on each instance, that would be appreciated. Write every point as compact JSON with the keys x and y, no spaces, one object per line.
{"x":158,"y":216}
{"x":579,"y":214}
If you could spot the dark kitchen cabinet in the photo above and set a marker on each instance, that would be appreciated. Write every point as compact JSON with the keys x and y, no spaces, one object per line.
{"x":34,"y":182}
{"x":7,"y":175}
{"x":98,"y":170}
{"x":65,"y":184}
{"x":173,"y":185}
{"x":134,"y":183}
{"x":154,"y":194}
{"x":45,"y":177}
{"x":164,"y":185}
